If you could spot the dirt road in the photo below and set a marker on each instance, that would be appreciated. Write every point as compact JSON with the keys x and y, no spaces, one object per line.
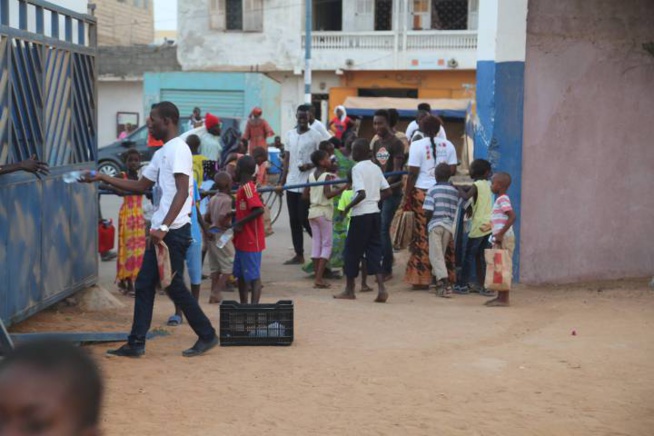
{"x":418,"y":365}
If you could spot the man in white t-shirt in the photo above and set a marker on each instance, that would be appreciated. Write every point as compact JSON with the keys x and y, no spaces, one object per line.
{"x":301,"y":142}
{"x":413,"y":129}
{"x":364,"y":235}
{"x":317,"y":125}
{"x":170,"y":173}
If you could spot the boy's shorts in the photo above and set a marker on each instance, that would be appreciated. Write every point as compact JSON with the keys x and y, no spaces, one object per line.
{"x":194,"y":262}
{"x":247,"y":265}
{"x":221,"y":260}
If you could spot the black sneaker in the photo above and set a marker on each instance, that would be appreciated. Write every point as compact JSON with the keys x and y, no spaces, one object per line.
{"x":200,"y":347}
{"x":127,"y":350}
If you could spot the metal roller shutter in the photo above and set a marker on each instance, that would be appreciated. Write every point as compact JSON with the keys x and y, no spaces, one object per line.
{"x":221,"y":103}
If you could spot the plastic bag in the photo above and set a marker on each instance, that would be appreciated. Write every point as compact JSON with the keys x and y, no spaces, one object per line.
{"x":402,"y":229}
{"x":499,"y":269}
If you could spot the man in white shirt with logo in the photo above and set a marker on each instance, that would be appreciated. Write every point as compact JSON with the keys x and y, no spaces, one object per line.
{"x":364,"y":234}
{"x":301,"y":142}
{"x":171,"y":169}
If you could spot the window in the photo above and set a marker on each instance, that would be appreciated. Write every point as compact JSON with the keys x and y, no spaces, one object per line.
{"x":245,"y":15}
{"x":443,"y":14}
{"x":327,"y":15}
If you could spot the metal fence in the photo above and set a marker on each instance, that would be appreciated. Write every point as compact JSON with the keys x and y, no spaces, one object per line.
{"x":48,"y":229}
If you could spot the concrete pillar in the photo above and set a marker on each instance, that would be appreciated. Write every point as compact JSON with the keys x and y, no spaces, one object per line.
{"x":502,"y":37}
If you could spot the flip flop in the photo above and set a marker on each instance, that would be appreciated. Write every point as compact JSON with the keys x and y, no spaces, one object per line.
{"x":322,"y":286}
{"x":174,"y":321}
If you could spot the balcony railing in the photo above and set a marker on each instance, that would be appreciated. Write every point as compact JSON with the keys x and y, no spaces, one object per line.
{"x":352,"y":40}
{"x":441,"y":40}
{"x":412,"y":40}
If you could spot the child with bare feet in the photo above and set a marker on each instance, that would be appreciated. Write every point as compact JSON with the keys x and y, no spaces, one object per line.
{"x":321,"y":211}
{"x":249,"y":237}
{"x":364,"y":235}
{"x":346,"y":198}
{"x":219,"y":214}
{"x":502,"y":219}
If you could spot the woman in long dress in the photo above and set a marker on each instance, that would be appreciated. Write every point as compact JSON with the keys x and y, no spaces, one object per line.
{"x":424,"y":155}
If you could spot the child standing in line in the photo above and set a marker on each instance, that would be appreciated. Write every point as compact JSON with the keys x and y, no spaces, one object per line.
{"x":219,"y":216}
{"x":480,"y":228}
{"x":440,"y":207}
{"x":194,"y":143}
{"x":131,"y":230}
{"x":346,"y":198}
{"x":321,"y":211}
{"x":502,"y":219}
{"x":364,"y":235}
{"x":328,"y":146}
{"x":260,"y":156}
{"x":249,"y":238}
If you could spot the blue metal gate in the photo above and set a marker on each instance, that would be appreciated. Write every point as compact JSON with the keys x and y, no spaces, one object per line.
{"x":48,"y":229}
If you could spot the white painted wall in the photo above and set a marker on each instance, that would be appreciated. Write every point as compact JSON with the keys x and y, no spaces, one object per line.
{"x":277,"y":48}
{"x":113,"y":97}
{"x":502,"y":30}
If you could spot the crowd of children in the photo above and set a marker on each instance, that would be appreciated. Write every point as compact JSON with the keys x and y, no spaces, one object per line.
{"x":345,"y":219}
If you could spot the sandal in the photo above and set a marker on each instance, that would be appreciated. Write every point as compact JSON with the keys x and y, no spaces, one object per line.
{"x":322,"y":286}
{"x":174,"y":321}
{"x":445,"y":291}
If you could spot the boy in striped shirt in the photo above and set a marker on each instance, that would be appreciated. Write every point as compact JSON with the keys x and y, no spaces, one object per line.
{"x":502,"y":219}
{"x":440,"y":208}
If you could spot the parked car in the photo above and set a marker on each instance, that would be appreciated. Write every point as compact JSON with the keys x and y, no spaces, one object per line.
{"x":110,"y":157}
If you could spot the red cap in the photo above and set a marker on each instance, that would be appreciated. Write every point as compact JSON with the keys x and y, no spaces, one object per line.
{"x":257,"y":111}
{"x":211,"y":120}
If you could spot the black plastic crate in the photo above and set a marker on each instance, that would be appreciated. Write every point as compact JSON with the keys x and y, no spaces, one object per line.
{"x":256,"y":324}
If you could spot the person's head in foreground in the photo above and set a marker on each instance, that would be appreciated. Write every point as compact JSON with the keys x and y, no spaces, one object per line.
{"x":480,"y":169}
{"x":443,"y":172}
{"x":327,"y":146}
{"x":260,"y":155}
{"x":361,"y":150}
{"x":381,"y":123}
{"x":193,"y":142}
{"x":500,"y":183}
{"x":302,"y":117}
{"x":223,"y":182}
{"x":164,"y":117}
{"x":430,"y":125}
{"x":320,"y":159}
{"x":49,"y":388}
{"x":212,"y":124}
{"x":245,"y":168}
{"x":132,"y":159}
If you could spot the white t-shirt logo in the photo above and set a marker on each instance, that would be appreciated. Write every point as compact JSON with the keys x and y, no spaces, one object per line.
{"x":383,"y":155}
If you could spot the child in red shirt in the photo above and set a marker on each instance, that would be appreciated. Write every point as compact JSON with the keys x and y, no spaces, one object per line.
{"x":249,"y":237}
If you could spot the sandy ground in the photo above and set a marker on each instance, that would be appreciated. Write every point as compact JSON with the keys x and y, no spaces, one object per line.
{"x":418,"y":365}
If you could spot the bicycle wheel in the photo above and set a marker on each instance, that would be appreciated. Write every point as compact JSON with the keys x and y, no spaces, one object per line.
{"x":274,"y":202}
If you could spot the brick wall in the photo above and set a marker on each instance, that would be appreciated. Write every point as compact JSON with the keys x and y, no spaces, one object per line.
{"x":125,"y":22}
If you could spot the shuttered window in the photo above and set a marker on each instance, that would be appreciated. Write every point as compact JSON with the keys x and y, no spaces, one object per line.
{"x":222,"y":103}
{"x":245,"y":15}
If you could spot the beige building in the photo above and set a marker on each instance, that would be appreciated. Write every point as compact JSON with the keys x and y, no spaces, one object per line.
{"x":124,"y":22}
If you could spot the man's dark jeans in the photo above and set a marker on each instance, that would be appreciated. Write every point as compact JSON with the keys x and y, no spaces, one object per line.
{"x":298,"y":215}
{"x":178,"y":241}
{"x":388,"y":209}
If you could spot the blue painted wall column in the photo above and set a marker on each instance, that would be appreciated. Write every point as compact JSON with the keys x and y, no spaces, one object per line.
{"x":500,"y":95}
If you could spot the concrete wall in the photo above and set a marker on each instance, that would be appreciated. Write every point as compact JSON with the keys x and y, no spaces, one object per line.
{"x":277,"y":48}
{"x":113,"y":97}
{"x":588,"y":207}
{"x":134,"y":61}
